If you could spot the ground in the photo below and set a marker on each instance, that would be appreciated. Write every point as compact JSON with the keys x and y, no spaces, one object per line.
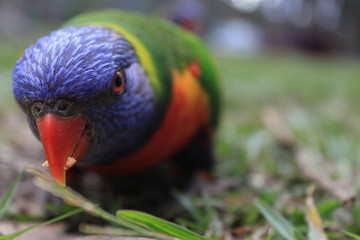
{"x":289,"y":121}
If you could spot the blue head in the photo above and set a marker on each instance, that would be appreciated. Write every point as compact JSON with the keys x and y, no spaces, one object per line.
{"x":93,"y":73}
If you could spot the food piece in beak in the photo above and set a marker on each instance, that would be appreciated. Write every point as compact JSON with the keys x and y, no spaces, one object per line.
{"x":70,"y":162}
{"x":62,"y":139}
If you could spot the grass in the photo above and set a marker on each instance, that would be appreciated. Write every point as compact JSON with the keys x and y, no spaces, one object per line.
{"x":317,"y":97}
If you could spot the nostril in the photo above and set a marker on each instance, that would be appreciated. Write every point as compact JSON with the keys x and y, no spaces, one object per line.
{"x":37,"y":109}
{"x":62,"y":106}
{"x":65,"y":108}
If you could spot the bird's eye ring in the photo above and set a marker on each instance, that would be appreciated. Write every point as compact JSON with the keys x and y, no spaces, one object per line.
{"x":118,"y":81}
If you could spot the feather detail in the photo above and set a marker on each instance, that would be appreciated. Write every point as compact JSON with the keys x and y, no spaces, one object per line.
{"x":187,"y":112}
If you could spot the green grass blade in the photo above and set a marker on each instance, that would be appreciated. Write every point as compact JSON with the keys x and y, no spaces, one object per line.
{"x":73,"y":198}
{"x":158,"y":225}
{"x":16,"y":234}
{"x":353,"y":235}
{"x":282,"y":225}
{"x":5,"y":202}
{"x":90,"y":229}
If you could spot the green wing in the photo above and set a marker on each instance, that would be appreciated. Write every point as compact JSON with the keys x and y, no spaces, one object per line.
{"x":161,"y":46}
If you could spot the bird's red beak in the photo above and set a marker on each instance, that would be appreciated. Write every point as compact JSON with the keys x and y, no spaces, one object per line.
{"x":63,"y":141}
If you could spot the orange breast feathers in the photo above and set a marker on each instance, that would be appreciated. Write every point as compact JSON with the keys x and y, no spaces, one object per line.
{"x":187,"y":111}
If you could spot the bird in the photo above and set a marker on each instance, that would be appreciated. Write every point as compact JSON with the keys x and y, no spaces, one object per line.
{"x":118,"y":93}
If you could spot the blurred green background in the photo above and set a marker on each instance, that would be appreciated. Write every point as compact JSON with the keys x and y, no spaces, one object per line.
{"x":272,"y":49}
{"x":300,"y":57}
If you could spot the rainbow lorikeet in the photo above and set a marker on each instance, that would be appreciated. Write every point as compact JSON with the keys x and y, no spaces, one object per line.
{"x":117,"y":93}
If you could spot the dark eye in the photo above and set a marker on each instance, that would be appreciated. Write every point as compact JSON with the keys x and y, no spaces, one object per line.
{"x":118,"y":81}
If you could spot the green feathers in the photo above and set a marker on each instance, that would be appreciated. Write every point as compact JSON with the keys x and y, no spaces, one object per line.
{"x":161,"y":47}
